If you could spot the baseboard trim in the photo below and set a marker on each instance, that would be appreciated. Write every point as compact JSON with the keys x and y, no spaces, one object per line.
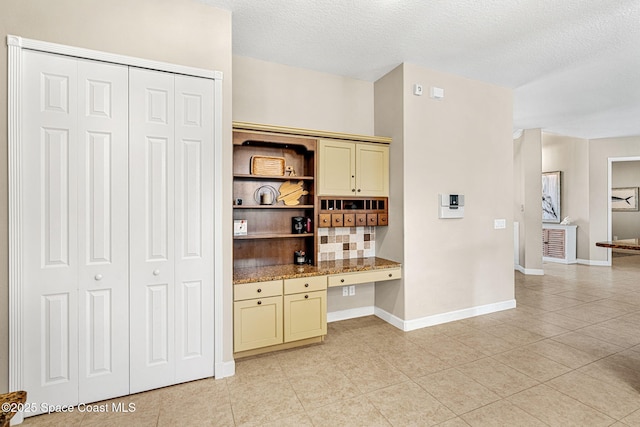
{"x":350,"y":313}
{"x":225,"y":369}
{"x":530,"y":271}
{"x":410,"y":325}
{"x":594,"y":263}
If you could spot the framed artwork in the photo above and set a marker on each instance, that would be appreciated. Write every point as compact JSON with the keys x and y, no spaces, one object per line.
{"x":551,"y":197}
{"x":624,"y":199}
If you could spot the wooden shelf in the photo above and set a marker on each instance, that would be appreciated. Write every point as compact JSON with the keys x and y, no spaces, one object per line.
{"x":272,"y":207}
{"x":272,"y":236}
{"x":273,"y":177}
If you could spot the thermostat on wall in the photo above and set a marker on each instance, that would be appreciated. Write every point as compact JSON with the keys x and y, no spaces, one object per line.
{"x":451,"y":206}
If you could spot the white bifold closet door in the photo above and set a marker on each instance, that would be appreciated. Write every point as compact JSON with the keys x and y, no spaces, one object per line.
{"x":116,"y":169}
{"x":75,"y":228}
{"x":171,"y":225}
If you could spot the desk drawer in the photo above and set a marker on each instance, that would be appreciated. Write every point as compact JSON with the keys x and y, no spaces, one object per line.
{"x":305,"y":284}
{"x":364,"y":277}
{"x":246,"y":291}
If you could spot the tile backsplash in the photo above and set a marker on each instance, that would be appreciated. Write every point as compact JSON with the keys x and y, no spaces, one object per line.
{"x":346,"y":243}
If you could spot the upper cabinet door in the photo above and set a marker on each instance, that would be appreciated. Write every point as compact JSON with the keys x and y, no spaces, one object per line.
{"x":337,"y":164}
{"x":372,"y":170}
{"x":353,"y":169}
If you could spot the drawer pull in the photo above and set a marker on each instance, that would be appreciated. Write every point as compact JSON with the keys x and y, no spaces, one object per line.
{"x":353,"y":189}
{"x":259,"y":290}
{"x":259,"y":302}
{"x":325,"y":220}
{"x":98,"y":277}
{"x":306,"y":296}
{"x":156,"y":272}
{"x":306,"y":285}
{"x":390,"y":275}
{"x":341,"y":280}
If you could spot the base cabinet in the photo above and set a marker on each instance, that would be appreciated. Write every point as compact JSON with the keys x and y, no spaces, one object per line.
{"x":559,"y":243}
{"x":263,"y":317}
{"x":258,"y":323}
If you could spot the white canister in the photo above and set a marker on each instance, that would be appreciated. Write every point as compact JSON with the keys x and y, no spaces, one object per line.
{"x":266,"y":198}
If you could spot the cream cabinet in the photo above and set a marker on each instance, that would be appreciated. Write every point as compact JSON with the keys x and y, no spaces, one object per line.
{"x":257,"y":315}
{"x":264,"y":317}
{"x":305,"y":308}
{"x":353,"y":169}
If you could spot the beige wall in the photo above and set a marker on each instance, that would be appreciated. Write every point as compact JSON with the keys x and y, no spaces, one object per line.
{"x":389,"y":118}
{"x":625,"y":225}
{"x":527,"y":205}
{"x":275,"y":94}
{"x":454,"y":146}
{"x":600,"y":150}
{"x":183,"y":32}
{"x":571,"y":156}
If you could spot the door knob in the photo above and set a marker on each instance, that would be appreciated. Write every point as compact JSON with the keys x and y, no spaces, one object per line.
{"x":156,"y":272}
{"x":98,"y":277}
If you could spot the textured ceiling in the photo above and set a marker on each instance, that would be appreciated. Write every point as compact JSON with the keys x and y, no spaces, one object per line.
{"x":574,"y":65}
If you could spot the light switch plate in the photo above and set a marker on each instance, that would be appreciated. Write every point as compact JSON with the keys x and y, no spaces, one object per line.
{"x":499,"y":224}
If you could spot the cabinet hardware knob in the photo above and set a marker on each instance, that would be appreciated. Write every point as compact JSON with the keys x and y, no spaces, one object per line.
{"x":353,"y":176}
{"x":156,"y":272}
{"x":306,"y":296}
{"x":324,"y":220}
{"x":361,"y":219}
{"x":390,"y":275}
{"x":259,"y":290}
{"x":98,"y":277}
{"x":359,"y":190}
{"x":341,"y":280}
{"x":306,"y":285}
{"x":259,"y":302}
{"x":353,"y":189}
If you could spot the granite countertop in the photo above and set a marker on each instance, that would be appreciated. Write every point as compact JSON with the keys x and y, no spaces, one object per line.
{"x":291,"y":271}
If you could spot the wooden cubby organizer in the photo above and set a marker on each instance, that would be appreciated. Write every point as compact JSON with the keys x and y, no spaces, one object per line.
{"x":269,"y":239}
{"x":353,"y":212}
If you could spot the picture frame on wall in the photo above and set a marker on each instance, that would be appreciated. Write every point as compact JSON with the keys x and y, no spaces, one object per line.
{"x":551,"y":196}
{"x":624,"y":199}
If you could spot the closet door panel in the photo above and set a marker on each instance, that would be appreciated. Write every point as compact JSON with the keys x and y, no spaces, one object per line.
{"x":151,"y":219}
{"x":103,"y":118}
{"x":194,"y":228}
{"x":50,"y":250}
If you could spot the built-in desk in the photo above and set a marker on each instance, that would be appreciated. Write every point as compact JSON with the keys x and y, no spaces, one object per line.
{"x":283,"y":306}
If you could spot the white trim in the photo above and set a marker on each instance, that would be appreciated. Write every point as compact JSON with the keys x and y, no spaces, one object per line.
{"x":529,"y":271}
{"x":218,"y":247}
{"x":596,"y":263}
{"x":15,"y":46}
{"x":16,"y":346}
{"x":350,"y":313}
{"x":611,"y":160}
{"x":437,"y":319}
{"x":79,"y":52}
{"x":557,"y":260}
{"x":225,"y":369}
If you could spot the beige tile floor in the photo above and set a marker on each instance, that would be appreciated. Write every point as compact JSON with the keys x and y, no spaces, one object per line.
{"x":569,"y":355}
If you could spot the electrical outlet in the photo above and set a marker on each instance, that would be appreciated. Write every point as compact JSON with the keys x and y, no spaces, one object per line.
{"x":352,"y":290}
{"x":345,"y":291}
